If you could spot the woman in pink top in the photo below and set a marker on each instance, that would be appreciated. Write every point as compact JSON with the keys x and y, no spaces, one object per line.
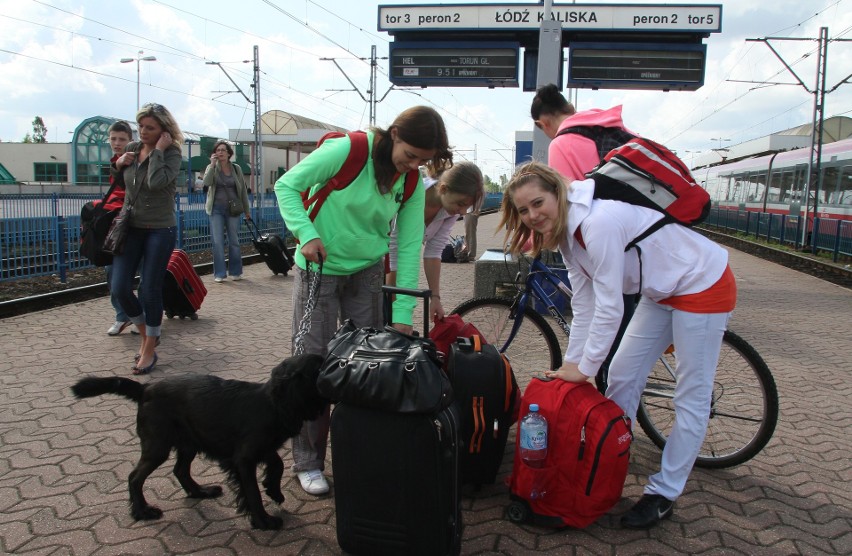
{"x":570,"y":154}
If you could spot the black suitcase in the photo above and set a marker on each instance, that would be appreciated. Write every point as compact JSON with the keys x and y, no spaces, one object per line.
{"x":396,"y":478}
{"x":488,"y":399}
{"x":396,"y":487}
{"x":272,"y":249}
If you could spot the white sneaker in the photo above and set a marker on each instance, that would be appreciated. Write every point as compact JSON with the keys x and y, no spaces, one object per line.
{"x":117,"y":327}
{"x":237,"y":278}
{"x":218,"y":280}
{"x":134,"y":330}
{"x":313,"y":482}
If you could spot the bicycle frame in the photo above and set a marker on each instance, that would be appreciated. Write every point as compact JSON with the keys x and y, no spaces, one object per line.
{"x":744,"y":403}
{"x":538,"y":273}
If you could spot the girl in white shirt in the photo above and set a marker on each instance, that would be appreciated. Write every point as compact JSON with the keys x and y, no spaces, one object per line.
{"x":448,"y":196}
{"x":688,"y":293}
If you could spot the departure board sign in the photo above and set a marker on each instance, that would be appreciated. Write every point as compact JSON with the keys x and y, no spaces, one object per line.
{"x":454,"y":64}
{"x":628,"y":16}
{"x":677,"y":67}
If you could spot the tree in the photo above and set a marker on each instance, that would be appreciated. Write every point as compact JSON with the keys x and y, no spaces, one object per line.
{"x":39,"y":131}
{"x":491,"y":186}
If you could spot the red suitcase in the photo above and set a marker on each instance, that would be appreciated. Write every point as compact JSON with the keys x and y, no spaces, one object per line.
{"x":183,"y":290}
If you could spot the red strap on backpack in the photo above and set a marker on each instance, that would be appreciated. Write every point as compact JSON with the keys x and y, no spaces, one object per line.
{"x":352,"y":166}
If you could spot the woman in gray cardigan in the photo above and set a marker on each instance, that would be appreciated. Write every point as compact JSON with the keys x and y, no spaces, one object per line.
{"x":227,"y":198}
{"x":150,"y":169}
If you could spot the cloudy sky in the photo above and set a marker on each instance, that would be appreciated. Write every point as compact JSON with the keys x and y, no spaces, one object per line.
{"x":60,"y":59}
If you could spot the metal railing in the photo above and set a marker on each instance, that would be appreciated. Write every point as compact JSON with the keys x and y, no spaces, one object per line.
{"x":829,"y":235}
{"x":40,"y":234}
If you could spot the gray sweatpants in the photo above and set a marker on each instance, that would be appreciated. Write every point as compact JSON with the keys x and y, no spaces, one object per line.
{"x":356,"y":296}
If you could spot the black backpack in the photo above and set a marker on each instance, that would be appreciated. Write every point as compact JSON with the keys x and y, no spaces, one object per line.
{"x":95,"y":221}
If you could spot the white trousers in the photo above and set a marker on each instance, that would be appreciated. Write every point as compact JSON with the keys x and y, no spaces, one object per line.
{"x":697,"y":338}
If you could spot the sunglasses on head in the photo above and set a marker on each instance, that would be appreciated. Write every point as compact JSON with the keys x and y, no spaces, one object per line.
{"x":154,"y":107}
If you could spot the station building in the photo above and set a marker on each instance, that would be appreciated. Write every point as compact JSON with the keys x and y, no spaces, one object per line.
{"x":82,"y":165}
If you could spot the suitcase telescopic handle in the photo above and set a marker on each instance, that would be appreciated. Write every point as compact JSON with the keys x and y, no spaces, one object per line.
{"x":253,"y":229}
{"x":425,"y":294}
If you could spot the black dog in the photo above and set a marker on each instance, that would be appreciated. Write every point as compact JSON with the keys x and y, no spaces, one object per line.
{"x":239,"y":424}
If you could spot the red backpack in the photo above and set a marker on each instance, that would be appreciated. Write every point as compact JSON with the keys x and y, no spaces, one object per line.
{"x":588,"y":449}
{"x":642,"y":172}
{"x":352,"y":166}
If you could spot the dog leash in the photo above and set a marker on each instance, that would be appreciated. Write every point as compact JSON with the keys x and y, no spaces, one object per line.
{"x":313,"y":290}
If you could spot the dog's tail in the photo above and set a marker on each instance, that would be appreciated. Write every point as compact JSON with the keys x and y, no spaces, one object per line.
{"x":94,"y":386}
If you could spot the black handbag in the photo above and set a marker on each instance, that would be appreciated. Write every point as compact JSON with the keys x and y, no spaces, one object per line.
{"x":235,"y":207}
{"x":384,"y":369}
{"x":117,"y":235}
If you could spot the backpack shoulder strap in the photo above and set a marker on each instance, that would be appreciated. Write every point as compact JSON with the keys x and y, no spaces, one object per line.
{"x":411,"y":179}
{"x":605,"y":138}
{"x":352,"y":166}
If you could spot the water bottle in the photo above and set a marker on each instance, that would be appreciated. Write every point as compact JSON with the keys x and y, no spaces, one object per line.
{"x":534,"y":437}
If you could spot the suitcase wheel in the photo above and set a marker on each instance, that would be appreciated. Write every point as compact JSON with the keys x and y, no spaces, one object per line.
{"x":518,"y":511}
{"x":193,"y":316}
{"x":170,"y":314}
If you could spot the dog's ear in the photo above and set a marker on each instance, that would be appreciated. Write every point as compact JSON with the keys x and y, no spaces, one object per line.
{"x":294,"y":386}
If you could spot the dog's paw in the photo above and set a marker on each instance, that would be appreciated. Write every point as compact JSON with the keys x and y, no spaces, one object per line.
{"x":146,"y":512}
{"x":275,"y":494}
{"x":212,"y":491}
{"x":266,"y":522}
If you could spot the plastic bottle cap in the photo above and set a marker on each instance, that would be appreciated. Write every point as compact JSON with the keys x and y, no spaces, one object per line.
{"x":533,"y":407}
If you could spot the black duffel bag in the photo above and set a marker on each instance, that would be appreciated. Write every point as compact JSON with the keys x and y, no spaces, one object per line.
{"x":95,"y":222}
{"x":384,"y":369}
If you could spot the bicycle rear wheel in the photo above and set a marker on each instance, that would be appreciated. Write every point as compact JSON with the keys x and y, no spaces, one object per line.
{"x":743,"y":412}
{"x":534,"y":348}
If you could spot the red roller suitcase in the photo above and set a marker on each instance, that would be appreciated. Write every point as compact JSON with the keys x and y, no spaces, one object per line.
{"x":183,"y":290}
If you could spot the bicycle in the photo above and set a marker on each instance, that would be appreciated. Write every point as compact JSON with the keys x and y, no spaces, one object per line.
{"x":744,"y":407}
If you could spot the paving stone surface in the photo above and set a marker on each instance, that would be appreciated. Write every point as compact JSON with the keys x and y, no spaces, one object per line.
{"x":64,"y":463}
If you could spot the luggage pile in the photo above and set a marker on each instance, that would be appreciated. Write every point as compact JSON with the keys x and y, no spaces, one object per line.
{"x":402,"y":449}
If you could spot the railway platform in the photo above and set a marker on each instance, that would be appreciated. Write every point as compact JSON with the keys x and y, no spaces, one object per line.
{"x":64,"y":463}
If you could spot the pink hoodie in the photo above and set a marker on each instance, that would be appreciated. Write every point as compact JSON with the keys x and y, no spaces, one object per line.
{"x":573,"y":155}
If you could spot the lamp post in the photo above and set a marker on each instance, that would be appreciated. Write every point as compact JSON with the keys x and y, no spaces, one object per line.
{"x":692,"y":158}
{"x":139,"y":58}
{"x":721,"y":149}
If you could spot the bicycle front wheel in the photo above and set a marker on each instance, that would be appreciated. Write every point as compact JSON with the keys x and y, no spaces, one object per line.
{"x":743,"y":411}
{"x":534,"y":348}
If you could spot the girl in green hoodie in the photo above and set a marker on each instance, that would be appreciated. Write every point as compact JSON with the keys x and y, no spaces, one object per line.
{"x":351,"y":234}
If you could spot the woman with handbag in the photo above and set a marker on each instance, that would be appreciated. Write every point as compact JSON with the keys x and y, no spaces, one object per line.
{"x":350,"y":234}
{"x":150,"y":168}
{"x":227,"y":199}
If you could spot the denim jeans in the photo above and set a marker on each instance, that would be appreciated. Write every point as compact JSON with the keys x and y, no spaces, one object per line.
{"x":153,"y":247}
{"x":120,"y":315}
{"x":220,"y":220}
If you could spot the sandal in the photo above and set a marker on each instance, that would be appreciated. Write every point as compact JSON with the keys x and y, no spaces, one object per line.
{"x":137,"y":370}
{"x":138,"y":355}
